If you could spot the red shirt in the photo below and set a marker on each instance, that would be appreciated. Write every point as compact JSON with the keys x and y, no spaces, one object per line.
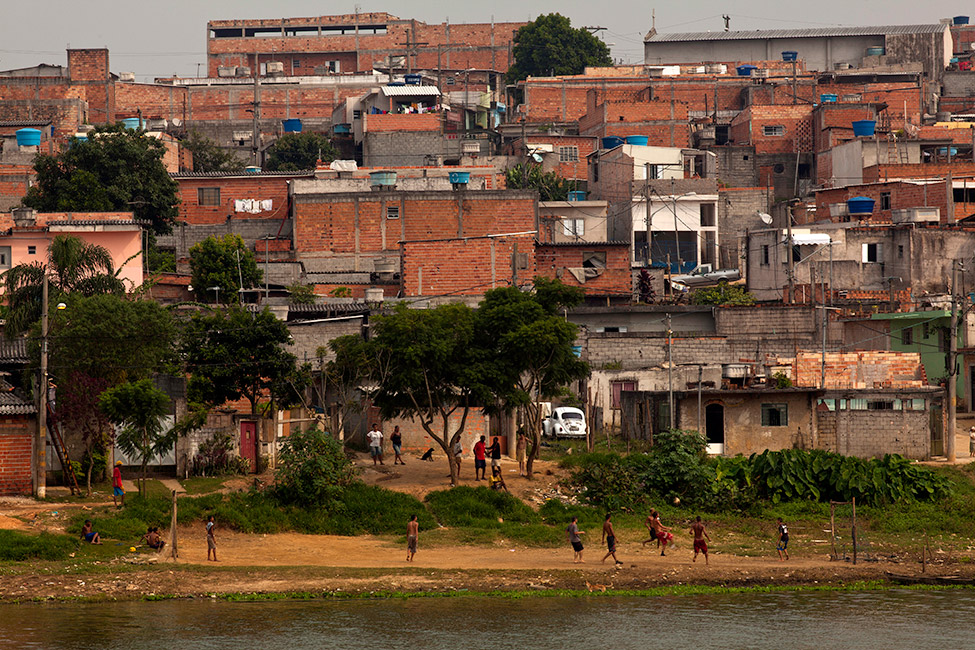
{"x":479,"y":450}
{"x":116,"y":477}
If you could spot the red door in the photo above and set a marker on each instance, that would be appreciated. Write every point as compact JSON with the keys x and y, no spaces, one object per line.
{"x":248,"y":443}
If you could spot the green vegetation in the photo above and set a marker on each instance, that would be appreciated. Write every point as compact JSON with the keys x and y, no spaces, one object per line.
{"x":301,"y":294}
{"x":208,"y":156}
{"x":549,"y":45}
{"x":224,"y":262}
{"x":299,"y":151}
{"x":722,"y":294}
{"x":312,"y":469}
{"x":529,"y":176}
{"x":17,"y":547}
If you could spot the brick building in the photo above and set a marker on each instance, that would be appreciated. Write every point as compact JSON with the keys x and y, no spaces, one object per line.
{"x":357,"y":42}
{"x":780,"y":138}
{"x":17,"y":433}
{"x":601,"y":269}
{"x":566,"y":155}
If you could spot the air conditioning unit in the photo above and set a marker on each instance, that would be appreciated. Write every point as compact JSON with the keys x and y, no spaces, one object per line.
{"x":126,"y":77}
{"x":274,"y":68}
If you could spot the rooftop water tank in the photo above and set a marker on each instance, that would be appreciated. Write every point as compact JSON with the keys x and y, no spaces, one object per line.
{"x":827,"y":98}
{"x":864,"y":127}
{"x":382,"y":178}
{"x":612,"y":142}
{"x":943,"y":151}
{"x":790,"y":55}
{"x":959,"y":20}
{"x":577,"y":195}
{"x":746,"y":70}
{"x":413,"y":79}
{"x":640,"y":140}
{"x":291,"y":126}
{"x":252,"y":169}
{"x":875,"y":51}
{"x":28,"y":137}
{"x":131,"y":123}
{"x":459,"y":180}
{"x":860,"y":205}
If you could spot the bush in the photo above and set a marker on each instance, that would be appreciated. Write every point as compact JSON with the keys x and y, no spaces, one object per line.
{"x":479,"y":507}
{"x":312,"y":469}
{"x":216,"y":457}
{"x":17,"y":547}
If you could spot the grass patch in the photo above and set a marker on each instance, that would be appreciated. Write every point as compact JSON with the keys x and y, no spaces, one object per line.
{"x":203,"y":485}
{"x":479,"y":507}
{"x":17,"y":547}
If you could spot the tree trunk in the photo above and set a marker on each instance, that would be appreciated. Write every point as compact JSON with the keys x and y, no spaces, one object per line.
{"x":532,"y":412}
{"x":91,"y":465}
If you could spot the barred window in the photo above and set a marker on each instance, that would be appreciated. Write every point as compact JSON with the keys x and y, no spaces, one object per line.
{"x":568,"y":154}
{"x":208,"y":195}
{"x":775,"y":415}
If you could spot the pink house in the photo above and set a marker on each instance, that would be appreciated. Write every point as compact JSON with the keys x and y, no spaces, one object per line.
{"x":26,"y":234}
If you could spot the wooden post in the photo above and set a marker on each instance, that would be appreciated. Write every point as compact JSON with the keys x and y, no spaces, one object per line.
{"x":173,"y":547}
{"x":854,"y":530}
{"x":832,"y":527}
{"x":924,"y":546}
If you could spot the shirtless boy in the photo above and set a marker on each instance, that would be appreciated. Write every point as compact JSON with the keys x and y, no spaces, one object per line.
{"x":412,"y":537}
{"x":700,"y":546}
{"x":609,"y":536}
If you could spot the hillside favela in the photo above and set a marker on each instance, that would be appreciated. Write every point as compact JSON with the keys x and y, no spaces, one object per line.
{"x":367,"y":331}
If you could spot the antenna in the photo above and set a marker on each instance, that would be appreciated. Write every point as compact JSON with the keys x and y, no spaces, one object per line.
{"x":727,"y":21}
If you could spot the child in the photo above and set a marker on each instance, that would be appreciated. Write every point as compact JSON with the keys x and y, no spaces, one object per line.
{"x":90,"y":535}
{"x":783,"y":545}
{"x":211,"y":542}
{"x":497,"y":481}
{"x":664,"y":536}
{"x":153,"y":540}
{"x":412,"y":536}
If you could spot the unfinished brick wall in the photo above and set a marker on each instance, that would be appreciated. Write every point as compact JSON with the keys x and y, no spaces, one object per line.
{"x":16,"y":447}
{"x":663,"y":122}
{"x":14,"y":183}
{"x":401,"y":122}
{"x":577,"y":170}
{"x":774,"y":129}
{"x":869,"y":369}
{"x":872,"y":434}
{"x":902,"y":195}
{"x":465,"y":266}
{"x":231,"y":188}
{"x":554,"y":261}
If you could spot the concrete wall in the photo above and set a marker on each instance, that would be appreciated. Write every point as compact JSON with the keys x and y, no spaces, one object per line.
{"x":873,"y":433}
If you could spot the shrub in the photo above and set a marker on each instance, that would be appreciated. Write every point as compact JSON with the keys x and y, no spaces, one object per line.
{"x":312,"y":469}
{"x":215,"y":457}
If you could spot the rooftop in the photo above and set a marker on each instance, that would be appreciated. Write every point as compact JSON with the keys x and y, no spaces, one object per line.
{"x":820,"y":32}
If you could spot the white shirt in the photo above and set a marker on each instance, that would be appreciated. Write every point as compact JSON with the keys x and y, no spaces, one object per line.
{"x":375,"y":438}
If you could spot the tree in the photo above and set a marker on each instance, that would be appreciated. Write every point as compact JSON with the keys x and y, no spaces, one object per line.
{"x":427,"y":368}
{"x":528,"y":345}
{"x":208,"y":156}
{"x":345,"y":376}
{"x":78,"y":409}
{"x":301,"y":294}
{"x":223,"y":262}
{"x":73,"y":267}
{"x":312,"y":469}
{"x":549,"y":45}
{"x":232,"y":353}
{"x":529,"y":176}
{"x":299,"y":151}
{"x":722,"y":294}
{"x":116,"y":169}
{"x":138,"y":408}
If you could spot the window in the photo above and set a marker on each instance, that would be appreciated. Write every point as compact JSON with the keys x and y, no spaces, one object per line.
{"x":773,"y":130}
{"x":568,"y":154}
{"x":296,"y":63}
{"x":900,"y":251}
{"x":392,"y":212}
{"x":885,"y":200}
{"x":708,"y":247}
{"x":778,"y":168}
{"x":594,"y":259}
{"x":914,"y":405}
{"x":880,"y":405}
{"x":707,"y":214}
{"x":907,"y":336}
{"x":619,"y":387}
{"x":775,"y":415}
{"x":4,"y":257}
{"x":208,"y":195}
{"x":765,"y":255}
{"x":872,"y":253}
{"x":32,"y":250}
{"x":573,"y":227}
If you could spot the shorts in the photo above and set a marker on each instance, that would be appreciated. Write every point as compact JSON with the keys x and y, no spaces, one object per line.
{"x":666,"y":537}
{"x":411,"y":543}
{"x":479,"y":463}
{"x":397,"y":450}
{"x":653,"y":535}
{"x":90,"y":536}
{"x":700,"y":546}
{"x":119,"y":492}
{"x":211,"y":543}
{"x":577,"y":547}
{"x":496,"y":462}
{"x":376,"y":451}
{"x":611,"y":543}
{"x":783,"y":544}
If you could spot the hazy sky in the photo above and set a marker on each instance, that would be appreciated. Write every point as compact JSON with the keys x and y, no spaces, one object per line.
{"x":168,"y":37}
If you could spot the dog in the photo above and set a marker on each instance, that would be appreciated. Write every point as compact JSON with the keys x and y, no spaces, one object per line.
{"x":427,"y":455}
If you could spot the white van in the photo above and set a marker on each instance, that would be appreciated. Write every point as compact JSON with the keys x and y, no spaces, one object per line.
{"x":565,"y":422}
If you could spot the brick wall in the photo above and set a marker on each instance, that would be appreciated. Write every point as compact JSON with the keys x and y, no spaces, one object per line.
{"x":401,"y":122}
{"x":902,"y":195}
{"x":14,"y":182}
{"x":796,"y":123}
{"x":357,"y":289}
{"x":16,"y":446}
{"x":577,"y":170}
{"x":464,"y":266}
{"x":89,"y":73}
{"x":872,"y":434}
{"x":88,"y":65}
{"x":663,"y":122}
{"x":554,"y":261}
{"x":249,"y":186}
{"x":869,"y":369}
{"x":416,"y":440}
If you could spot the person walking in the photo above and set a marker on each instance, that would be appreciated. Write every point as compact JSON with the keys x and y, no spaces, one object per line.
{"x":118,"y":492}
{"x":396,"y":438}
{"x":648,"y":522}
{"x":412,"y":537}
{"x":480,"y":464}
{"x":575,"y":539}
{"x":211,"y":540}
{"x":375,"y":438}
{"x":495,"y":450}
{"x":520,"y":445}
{"x":783,"y":546}
{"x":700,"y":546}
{"x":609,"y":536}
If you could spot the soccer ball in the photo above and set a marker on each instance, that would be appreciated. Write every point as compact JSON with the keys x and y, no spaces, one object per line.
{"x":132,"y":549}
{"x":676,"y":501}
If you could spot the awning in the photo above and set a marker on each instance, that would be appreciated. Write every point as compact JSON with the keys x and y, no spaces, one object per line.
{"x":411,"y":91}
{"x":810,"y":239}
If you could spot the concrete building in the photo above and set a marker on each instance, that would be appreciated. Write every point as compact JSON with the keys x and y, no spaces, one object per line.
{"x":820,"y":49}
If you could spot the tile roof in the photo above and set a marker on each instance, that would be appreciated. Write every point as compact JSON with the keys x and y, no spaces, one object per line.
{"x":303,"y":172}
{"x":13,"y":351}
{"x":13,"y":404}
{"x":821,"y":32}
{"x":581,"y":244}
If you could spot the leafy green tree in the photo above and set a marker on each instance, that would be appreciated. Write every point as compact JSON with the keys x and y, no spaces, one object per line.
{"x":549,"y":45}
{"x":232,"y":353}
{"x":301,"y":294}
{"x":208,"y":156}
{"x":73,"y":267}
{"x":116,"y":169}
{"x":223,"y":262}
{"x":312,"y":469}
{"x":527,"y":347}
{"x":722,"y":294}
{"x":299,"y":151}
{"x":529,"y":176}
{"x":345,"y":376}
{"x":138,"y":408}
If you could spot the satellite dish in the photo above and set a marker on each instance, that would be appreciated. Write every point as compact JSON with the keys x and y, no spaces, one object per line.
{"x":766,"y":218}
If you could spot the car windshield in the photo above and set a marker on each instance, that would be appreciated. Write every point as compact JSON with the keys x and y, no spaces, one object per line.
{"x":569,"y":415}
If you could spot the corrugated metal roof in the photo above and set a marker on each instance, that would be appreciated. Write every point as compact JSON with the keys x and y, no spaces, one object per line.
{"x":820,"y":32}
{"x":304,"y":172}
{"x":582,"y":244}
{"x":13,"y":351}
{"x":410,"y":91}
{"x":9,"y":123}
{"x":12,"y":403}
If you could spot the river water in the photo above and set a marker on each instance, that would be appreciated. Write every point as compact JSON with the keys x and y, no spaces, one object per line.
{"x":887,"y":620}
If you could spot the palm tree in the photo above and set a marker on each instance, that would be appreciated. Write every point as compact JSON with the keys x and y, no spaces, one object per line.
{"x":74,"y":266}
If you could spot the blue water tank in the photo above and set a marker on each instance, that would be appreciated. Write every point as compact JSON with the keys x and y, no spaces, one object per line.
{"x":876,"y":51}
{"x":943,"y":151}
{"x":959,"y":20}
{"x":382,"y":178}
{"x":746,"y":70}
{"x":577,"y":195}
{"x":28,"y":137}
{"x":252,"y":169}
{"x":612,"y":142}
{"x":461,"y":178}
{"x":131,"y":123}
{"x":864,"y":127}
{"x":413,"y":79}
{"x":790,"y":55}
{"x":828,"y":98}
{"x":291,"y":126}
{"x":640,"y":140}
{"x":860,"y":205}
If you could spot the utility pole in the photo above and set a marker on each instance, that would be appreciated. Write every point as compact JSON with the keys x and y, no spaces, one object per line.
{"x":788,"y":254}
{"x":40,"y":451}
{"x":670,"y":373}
{"x":700,"y":376}
{"x":256,"y":135}
{"x":953,"y":365}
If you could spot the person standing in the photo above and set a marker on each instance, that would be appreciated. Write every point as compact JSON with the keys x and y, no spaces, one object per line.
{"x":397,"y":439}
{"x":783,"y":546}
{"x":495,"y":450}
{"x":575,"y":539}
{"x":700,"y":546}
{"x":480,"y":463}
{"x":458,"y":452}
{"x":118,"y":492}
{"x":211,"y":540}
{"x":520,"y":445}
{"x":412,"y":537}
{"x":971,"y":441}
{"x":375,"y":437}
{"x":609,"y":536}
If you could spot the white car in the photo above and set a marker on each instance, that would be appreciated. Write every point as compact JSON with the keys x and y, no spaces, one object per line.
{"x":565,"y":422}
